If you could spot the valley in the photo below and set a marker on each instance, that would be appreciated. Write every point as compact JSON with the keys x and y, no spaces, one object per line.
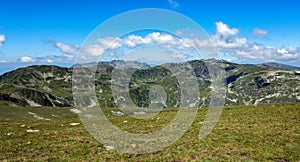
{"x":46,"y":85}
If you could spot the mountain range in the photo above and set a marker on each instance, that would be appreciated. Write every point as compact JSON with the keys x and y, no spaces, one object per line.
{"x":49,"y":85}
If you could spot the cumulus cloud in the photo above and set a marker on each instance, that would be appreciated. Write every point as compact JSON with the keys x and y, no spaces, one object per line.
{"x":226,"y":39}
{"x":59,"y":58}
{"x":101,"y":45}
{"x":2,"y":39}
{"x":268,"y":53}
{"x":152,"y":38}
{"x":93,"y":50}
{"x":260,"y":32}
{"x":225,"y":30}
{"x":110,"y":42}
{"x":68,"y":53}
{"x":26,"y":59}
{"x":161,"y":38}
{"x":173,"y":3}
{"x":133,"y":41}
{"x":70,"y":49}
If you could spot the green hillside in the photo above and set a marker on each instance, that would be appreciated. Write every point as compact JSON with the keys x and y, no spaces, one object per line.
{"x":243,"y":133}
{"x":47,"y":85}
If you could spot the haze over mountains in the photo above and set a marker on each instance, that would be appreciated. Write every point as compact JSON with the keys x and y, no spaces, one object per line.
{"x":48,"y":85}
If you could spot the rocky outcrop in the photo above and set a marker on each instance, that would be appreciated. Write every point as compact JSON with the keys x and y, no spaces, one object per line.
{"x":246,"y":84}
{"x":24,"y":96}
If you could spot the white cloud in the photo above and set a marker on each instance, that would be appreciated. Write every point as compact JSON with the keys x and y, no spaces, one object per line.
{"x":69,"y":51}
{"x":3,"y":61}
{"x":186,"y":43}
{"x":260,"y":32}
{"x":173,"y":3}
{"x":2,"y":39}
{"x":26,"y":59}
{"x":60,"y":58}
{"x":110,"y":42}
{"x":132,"y":41}
{"x":93,"y":50}
{"x":153,"y":38}
{"x":158,"y":38}
{"x":263,"y":53}
{"x":101,"y":45}
{"x":49,"y":61}
{"x":229,"y":42}
{"x":66,"y":48}
{"x":225,"y":30}
{"x":226,"y":39}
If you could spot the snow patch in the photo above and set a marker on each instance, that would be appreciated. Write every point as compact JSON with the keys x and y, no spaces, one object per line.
{"x":32,"y":131}
{"x":74,"y":124}
{"x":55,"y":116}
{"x":118,"y":113}
{"x":9,"y":134}
{"x":76,"y":111}
{"x":109,"y":147}
{"x":37,"y":117}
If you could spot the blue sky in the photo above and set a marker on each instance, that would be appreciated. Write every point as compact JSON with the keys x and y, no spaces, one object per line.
{"x":33,"y":30}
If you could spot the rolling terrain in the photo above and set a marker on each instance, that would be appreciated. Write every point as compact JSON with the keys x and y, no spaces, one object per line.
{"x":38,"y":121}
{"x":45,"y":85}
{"x":243,"y":133}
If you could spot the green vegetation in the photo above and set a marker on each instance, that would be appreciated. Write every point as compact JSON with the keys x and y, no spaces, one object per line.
{"x":48,"y":85}
{"x":243,"y":133}
{"x":36,"y":114}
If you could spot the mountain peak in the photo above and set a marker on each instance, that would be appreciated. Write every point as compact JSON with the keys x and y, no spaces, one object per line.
{"x":279,"y":65}
{"x":246,"y":84}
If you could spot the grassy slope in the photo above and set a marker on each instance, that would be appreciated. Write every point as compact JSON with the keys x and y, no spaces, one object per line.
{"x":244,"y":133}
